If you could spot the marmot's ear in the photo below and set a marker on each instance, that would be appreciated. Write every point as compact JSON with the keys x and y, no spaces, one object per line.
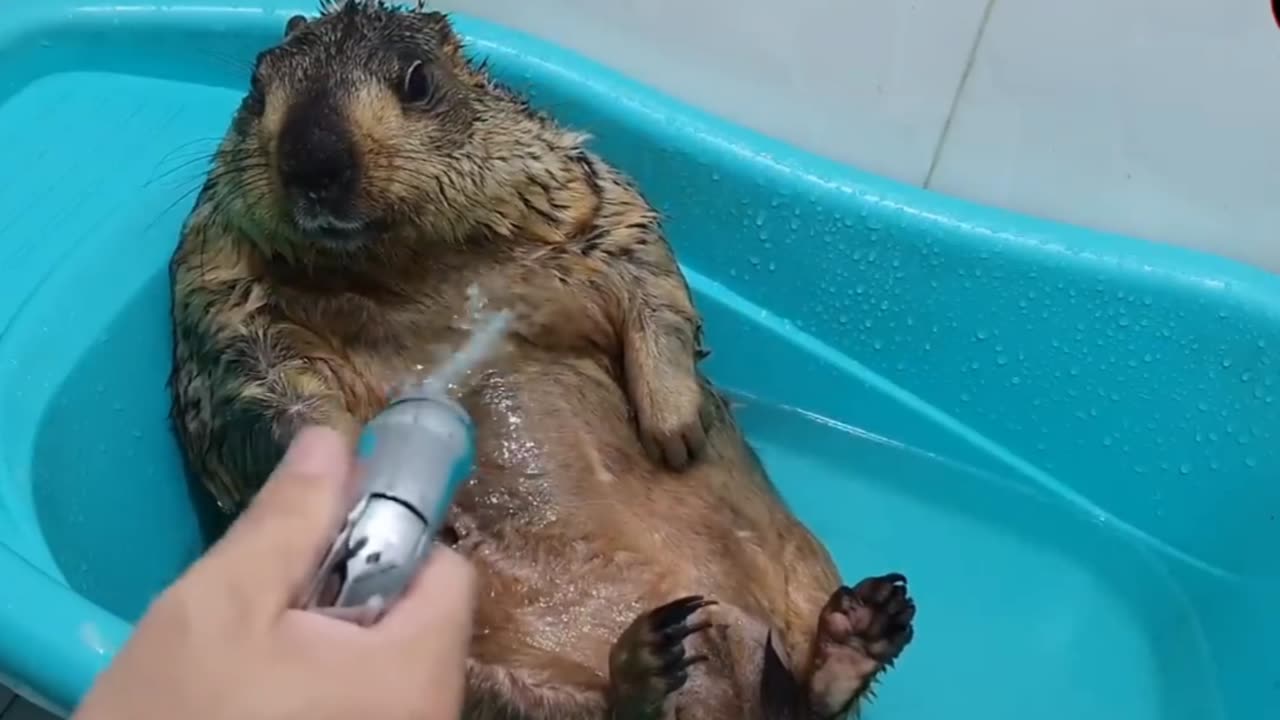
{"x":448,"y":39}
{"x":295,"y":23}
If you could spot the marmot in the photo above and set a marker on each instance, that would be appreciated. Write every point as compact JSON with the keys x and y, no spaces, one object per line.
{"x":634,"y":559}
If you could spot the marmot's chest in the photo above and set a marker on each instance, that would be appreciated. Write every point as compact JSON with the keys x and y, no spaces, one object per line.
{"x":551,"y":443}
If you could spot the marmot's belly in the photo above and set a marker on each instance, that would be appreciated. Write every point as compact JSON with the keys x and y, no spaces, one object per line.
{"x":542,"y":595}
{"x":565,"y":566}
{"x":576,"y":532}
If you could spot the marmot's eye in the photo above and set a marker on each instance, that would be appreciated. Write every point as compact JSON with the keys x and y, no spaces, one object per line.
{"x":417,"y":84}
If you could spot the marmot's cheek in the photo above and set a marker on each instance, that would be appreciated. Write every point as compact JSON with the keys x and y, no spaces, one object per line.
{"x":381,"y":191}
{"x":267,"y":129}
{"x":374,"y":118}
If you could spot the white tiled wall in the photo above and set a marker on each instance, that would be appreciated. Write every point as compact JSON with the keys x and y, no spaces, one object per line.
{"x":865,"y":81}
{"x":1157,"y":118}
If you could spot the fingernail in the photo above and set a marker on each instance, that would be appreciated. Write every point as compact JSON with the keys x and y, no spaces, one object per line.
{"x":317,"y":450}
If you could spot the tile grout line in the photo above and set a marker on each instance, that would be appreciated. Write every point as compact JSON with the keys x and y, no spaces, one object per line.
{"x":955,"y":99}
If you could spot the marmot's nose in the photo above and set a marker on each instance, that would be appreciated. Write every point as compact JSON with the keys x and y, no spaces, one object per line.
{"x":317,"y":157}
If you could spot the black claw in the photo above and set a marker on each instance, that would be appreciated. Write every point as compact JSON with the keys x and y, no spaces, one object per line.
{"x":677,"y":611}
{"x":881,"y":594}
{"x":691,"y":661}
{"x":901,"y":618}
{"x":680,"y":632}
{"x":877,"y":626}
{"x":677,"y":675}
{"x":670,"y":629}
{"x":877,"y":590}
{"x":910,"y":613}
{"x":671,"y":657}
{"x":676,"y":681}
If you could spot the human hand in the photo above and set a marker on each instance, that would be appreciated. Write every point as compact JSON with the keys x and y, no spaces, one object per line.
{"x":222,"y":643}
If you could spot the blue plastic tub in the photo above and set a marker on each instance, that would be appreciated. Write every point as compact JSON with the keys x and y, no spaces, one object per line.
{"x":1067,"y":440}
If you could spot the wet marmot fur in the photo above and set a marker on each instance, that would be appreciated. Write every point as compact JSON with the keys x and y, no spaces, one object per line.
{"x":634,"y":559}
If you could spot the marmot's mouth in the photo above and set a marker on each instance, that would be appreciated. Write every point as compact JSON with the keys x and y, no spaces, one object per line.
{"x":311,"y":219}
{"x":329,"y":229}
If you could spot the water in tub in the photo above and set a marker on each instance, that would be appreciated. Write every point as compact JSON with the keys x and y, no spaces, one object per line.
{"x":1028,"y":608}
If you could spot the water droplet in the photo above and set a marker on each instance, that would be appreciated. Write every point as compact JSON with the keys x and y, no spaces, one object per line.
{"x":1185,"y":468}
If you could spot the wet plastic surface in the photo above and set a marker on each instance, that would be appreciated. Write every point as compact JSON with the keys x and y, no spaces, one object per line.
{"x":1108,"y":549}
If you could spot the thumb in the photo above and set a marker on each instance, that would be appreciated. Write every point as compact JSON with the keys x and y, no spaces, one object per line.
{"x":272,"y":550}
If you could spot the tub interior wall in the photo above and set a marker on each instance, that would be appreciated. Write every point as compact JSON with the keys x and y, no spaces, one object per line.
{"x":96,"y":382}
{"x":1139,"y":390}
{"x":1145,"y":390}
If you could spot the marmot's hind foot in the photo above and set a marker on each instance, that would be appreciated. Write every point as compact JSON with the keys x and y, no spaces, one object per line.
{"x":649,"y":661}
{"x":861,"y":631}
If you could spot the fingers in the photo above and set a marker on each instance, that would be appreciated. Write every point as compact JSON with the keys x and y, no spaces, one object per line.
{"x":433,"y":618}
{"x":273,"y":548}
{"x":430,"y":627}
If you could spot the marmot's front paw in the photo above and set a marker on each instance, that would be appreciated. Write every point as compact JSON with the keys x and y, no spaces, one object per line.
{"x":666,"y":393}
{"x":671,"y":424}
